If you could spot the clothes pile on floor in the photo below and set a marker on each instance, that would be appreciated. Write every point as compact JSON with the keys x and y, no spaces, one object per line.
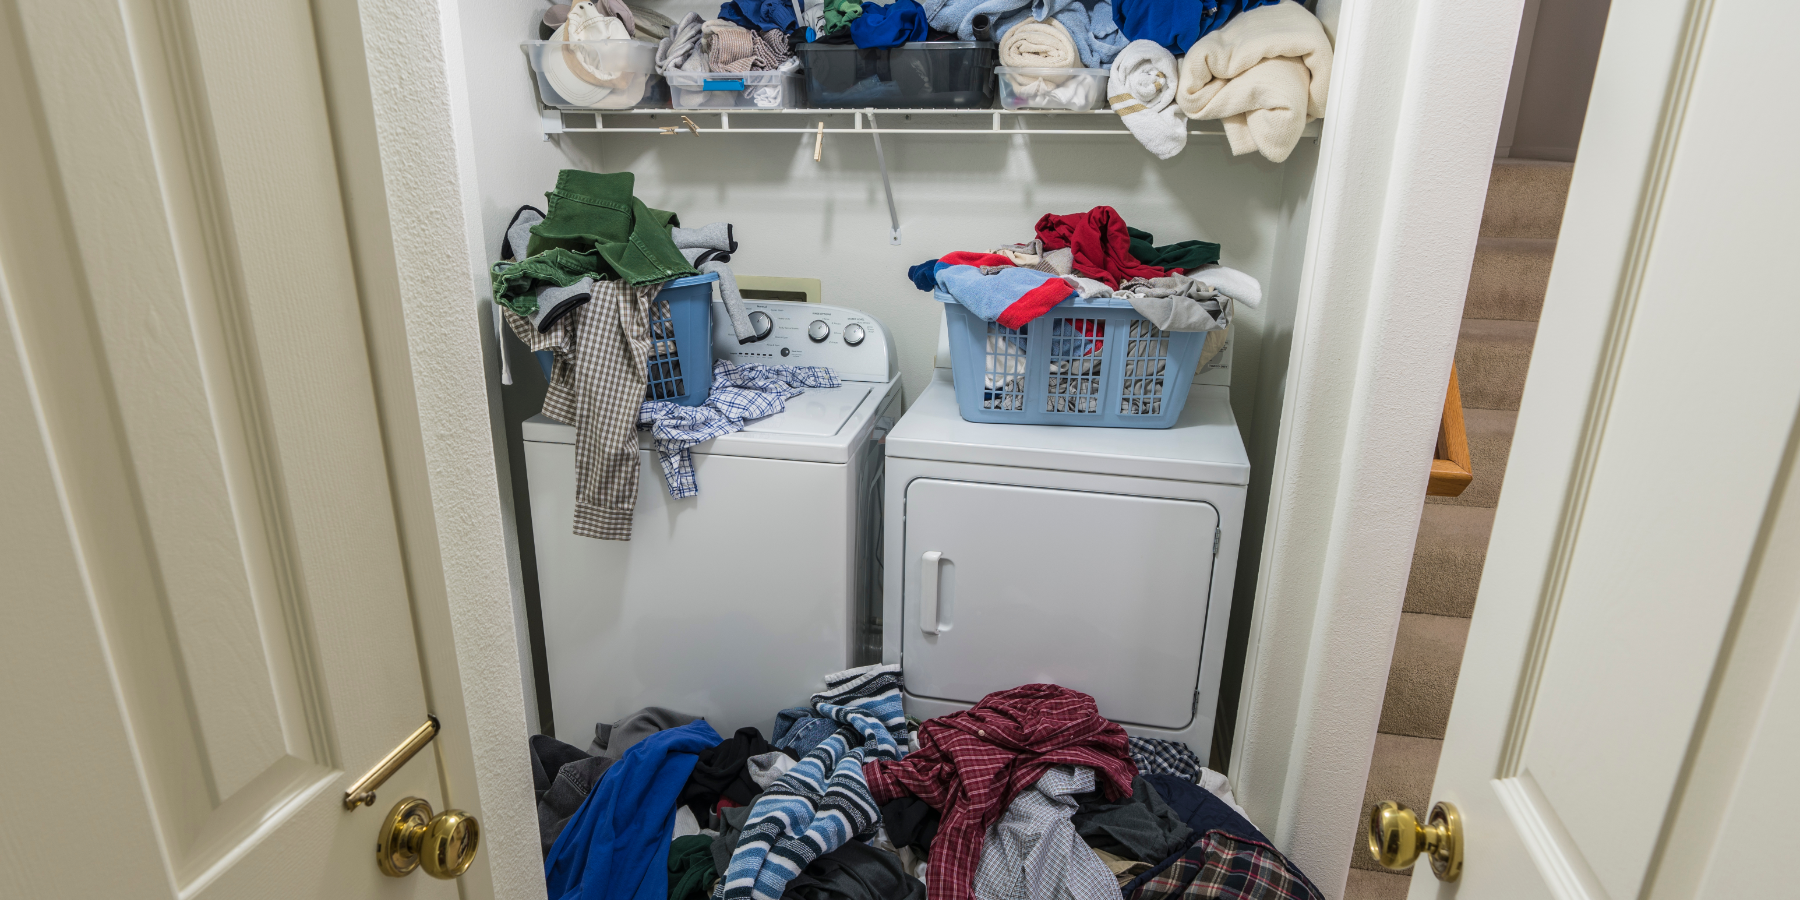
{"x":581,"y":282}
{"x":1029,"y":795}
{"x":1261,"y":67}
{"x":1175,"y":287}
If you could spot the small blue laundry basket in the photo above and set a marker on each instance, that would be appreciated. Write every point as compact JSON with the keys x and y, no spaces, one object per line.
{"x":680,"y":342}
{"x":1085,"y":362}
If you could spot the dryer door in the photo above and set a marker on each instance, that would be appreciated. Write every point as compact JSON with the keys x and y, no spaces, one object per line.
{"x":1103,"y":593}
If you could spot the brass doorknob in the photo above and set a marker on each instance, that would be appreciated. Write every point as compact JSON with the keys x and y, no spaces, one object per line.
{"x":412,"y":837}
{"x":1397,"y":838}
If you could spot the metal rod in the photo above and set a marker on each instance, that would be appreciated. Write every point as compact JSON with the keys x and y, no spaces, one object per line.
{"x":363,"y":791}
{"x":881,"y":160}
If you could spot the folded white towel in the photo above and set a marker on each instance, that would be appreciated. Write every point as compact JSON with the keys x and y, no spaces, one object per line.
{"x":1266,"y":74}
{"x":1141,"y":90}
{"x":1039,"y":45}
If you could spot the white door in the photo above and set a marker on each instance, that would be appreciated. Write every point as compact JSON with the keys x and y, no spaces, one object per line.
{"x":207,"y":634}
{"x":1629,"y":706}
{"x":1102,"y":593}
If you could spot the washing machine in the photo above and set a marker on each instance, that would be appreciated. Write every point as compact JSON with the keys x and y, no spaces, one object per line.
{"x":1100,"y":559}
{"x":733,"y":604}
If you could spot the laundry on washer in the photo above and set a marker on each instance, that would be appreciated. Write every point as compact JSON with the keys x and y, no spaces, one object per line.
{"x":739,"y":393}
{"x":1034,"y":853}
{"x":824,"y":801}
{"x":1022,"y":732}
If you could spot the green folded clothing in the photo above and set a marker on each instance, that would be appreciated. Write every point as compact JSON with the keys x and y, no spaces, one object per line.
{"x":595,"y":228}
{"x":1185,"y":255}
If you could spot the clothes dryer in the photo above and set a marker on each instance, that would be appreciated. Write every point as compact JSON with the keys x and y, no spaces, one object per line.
{"x":732,"y":604}
{"x":1100,"y":559}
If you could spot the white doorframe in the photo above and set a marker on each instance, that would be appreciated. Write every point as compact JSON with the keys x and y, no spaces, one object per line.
{"x":399,"y":110}
{"x":1417,"y":97}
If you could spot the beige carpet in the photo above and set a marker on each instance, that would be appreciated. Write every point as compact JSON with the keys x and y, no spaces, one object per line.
{"x":1506,"y":293}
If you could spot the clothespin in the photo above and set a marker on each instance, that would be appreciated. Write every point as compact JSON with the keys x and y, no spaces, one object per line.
{"x":690,"y":124}
{"x":819,"y":142}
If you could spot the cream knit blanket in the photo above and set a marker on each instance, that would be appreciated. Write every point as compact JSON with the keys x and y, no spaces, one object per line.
{"x":1266,"y":74}
{"x":1039,"y":45}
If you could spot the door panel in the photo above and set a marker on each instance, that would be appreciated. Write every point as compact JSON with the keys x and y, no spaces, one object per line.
{"x":219,"y":613}
{"x":1608,"y":732}
{"x":1102,"y":593}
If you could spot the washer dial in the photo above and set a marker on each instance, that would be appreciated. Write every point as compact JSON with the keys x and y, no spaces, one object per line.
{"x":818,"y":331}
{"x":853,"y":334}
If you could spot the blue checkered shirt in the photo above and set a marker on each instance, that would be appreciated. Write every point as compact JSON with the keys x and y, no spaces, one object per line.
{"x":739,"y":394}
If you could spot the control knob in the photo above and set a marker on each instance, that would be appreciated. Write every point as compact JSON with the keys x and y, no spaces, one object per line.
{"x":853,"y":334}
{"x":760,"y":326}
{"x":818,"y":331}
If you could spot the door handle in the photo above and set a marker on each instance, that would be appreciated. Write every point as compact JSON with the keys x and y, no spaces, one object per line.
{"x":1397,"y":838}
{"x":929,"y":565}
{"x":444,"y":844}
{"x":363,"y":791}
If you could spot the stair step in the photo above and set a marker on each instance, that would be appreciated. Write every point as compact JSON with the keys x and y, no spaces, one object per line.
{"x":1447,"y":560}
{"x":1492,"y":356}
{"x":1490,"y":440}
{"x":1525,"y":198}
{"x":1509,"y":278}
{"x":1368,"y":884}
{"x":1421,"y":681}
{"x":1401,"y":770}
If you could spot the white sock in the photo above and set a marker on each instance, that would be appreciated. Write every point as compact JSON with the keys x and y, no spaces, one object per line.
{"x":1141,"y":90}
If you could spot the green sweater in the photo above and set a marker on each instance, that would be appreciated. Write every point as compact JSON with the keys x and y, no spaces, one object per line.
{"x":595,"y":228}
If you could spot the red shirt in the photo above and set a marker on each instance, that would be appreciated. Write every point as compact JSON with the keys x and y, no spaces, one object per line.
{"x":970,"y":765}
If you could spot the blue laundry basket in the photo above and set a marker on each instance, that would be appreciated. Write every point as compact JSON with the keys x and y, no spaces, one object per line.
{"x":680,"y":342}
{"x":1085,"y":362}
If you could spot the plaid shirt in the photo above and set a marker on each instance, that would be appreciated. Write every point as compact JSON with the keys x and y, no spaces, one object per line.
{"x":1033,"y":852}
{"x":1154,"y":755}
{"x":1224,"y":867}
{"x":970,"y":766}
{"x":602,"y":355}
{"x":739,"y":393}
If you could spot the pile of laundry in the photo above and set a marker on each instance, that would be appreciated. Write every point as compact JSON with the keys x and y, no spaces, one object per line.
{"x":582,"y":282}
{"x":1175,"y":287}
{"x":1030,"y":794}
{"x":748,"y":36}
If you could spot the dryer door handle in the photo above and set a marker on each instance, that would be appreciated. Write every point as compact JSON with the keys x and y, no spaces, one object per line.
{"x":929,"y":566}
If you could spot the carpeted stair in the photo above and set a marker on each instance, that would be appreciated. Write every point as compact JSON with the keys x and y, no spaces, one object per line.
{"x":1506,"y":292}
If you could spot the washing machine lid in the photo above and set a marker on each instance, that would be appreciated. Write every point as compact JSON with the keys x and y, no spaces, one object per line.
{"x":1204,"y":445}
{"x":818,"y":412}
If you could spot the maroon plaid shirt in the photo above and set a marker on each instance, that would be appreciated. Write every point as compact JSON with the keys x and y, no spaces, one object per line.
{"x":970,"y":765}
{"x":1222,"y":866}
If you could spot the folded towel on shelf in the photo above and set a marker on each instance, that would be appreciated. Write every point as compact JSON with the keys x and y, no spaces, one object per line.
{"x":889,"y":25}
{"x":1142,"y":90}
{"x":1039,"y":45}
{"x":1265,"y":74}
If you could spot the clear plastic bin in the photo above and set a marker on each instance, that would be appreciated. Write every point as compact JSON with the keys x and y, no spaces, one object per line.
{"x":735,"y":90}
{"x":920,"y":75}
{"x":1085,"y":362}
{"x":596,"y":74}
{"x":1052,"y":88}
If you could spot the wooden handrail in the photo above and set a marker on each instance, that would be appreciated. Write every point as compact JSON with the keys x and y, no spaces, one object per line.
{"x":1451,"y":470}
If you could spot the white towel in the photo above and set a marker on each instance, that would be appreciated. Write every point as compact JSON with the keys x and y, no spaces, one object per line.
{"x":1141,"y":90}
{"x":1230,"y":282}
{"x":1039,"y":45}
{"x":1266,"y":74}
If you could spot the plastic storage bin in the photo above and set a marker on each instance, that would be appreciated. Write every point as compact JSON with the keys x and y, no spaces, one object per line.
{"x":735,"y":90}
{"x":681,"y":360}
{"x":596,"y":74}
{"x":921,"y":75}
{"x":1085,"y":362}
{"x":1052,"y":88}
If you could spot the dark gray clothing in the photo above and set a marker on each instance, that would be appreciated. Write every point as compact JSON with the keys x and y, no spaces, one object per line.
{"x":729,"y":824}
{"x":561,"y":794}
{"x":855,"y":871}
{"x":1140,"y":827}
{"x":613,"y":740}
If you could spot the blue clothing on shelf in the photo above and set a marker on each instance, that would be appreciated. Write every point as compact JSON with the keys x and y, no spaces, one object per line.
{"x":616,"y":847}
{"x":1092,"y":23}
{"x":759,"y":15}
{"x":739,"y":393}
{"x":924,"y":275}
{"x":889,"y":25}
{"x":1177,"y":24}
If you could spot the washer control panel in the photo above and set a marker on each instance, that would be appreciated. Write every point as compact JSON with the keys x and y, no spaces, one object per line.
{"x":852,"y":343}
